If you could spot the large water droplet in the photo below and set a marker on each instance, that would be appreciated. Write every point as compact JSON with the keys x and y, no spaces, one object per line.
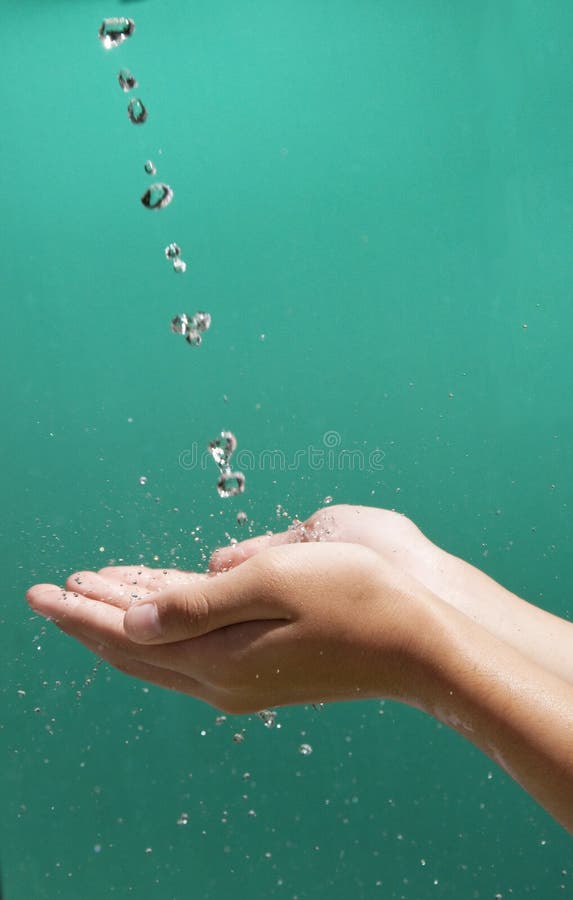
{"x":127,"y":81}
{"x":157,"y":196}
{"x":231,"y":484}
{"x":222,"y":448}
{"x":136,"y":111}
{"x":115,"y":31}
{"x":150,"y":167}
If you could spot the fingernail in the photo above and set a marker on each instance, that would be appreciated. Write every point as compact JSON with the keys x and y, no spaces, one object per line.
{"x":141,"y":622}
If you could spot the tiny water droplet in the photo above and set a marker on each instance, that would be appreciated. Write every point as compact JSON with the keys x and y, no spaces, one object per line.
{"x":305,"y":749}
{"x":179,"y":266}
{"x":150,"y":167}
{"x":238,"y":738}
{"x":242,"y":518}
{"x":115,"y":31}
{"x":136,"y":111}
{"x":127,"y":81}
{"x":231,"y":484}
{"x":158,"y":196}
{"x":143,"y":479}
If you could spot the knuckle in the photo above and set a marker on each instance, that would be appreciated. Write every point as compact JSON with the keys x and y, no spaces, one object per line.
{"x":195,"y":609}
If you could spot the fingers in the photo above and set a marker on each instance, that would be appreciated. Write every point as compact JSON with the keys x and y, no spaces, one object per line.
{"x":228,"y":557}
{"x":162,"y":677}
{"x":249,"y":592}
{"x":114,"y":591}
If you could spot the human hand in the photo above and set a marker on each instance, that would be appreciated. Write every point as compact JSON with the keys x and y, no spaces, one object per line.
{"x":310,"y":622}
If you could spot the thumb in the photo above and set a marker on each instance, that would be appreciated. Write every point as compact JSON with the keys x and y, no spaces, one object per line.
{"x":204,"y":604}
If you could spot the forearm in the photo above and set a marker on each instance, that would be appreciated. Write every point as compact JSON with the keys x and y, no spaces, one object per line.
{"x":542,"y":637}
{"x":514,"y":710}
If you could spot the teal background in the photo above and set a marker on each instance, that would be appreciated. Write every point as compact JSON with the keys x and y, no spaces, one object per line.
{"x":385,"y":192}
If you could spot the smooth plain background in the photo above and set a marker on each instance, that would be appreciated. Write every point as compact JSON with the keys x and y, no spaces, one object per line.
{"x":384,"y":192}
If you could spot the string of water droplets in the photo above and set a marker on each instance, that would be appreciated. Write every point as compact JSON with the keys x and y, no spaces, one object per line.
{"x":112,"y":33}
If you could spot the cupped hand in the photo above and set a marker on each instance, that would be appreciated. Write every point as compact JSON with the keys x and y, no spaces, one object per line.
{"x":299,"y":623}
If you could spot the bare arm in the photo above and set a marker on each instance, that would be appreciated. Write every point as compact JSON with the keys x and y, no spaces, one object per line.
{"x":514,"y":710}
{"x":315,"y":622}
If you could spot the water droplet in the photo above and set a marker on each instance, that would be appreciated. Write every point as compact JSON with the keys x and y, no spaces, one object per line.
{"x":136,"y":111}
{"x":231,"y":484}
{"x":305,"y":749}
{"x":183,"y":819}
{"x":172,"y":251}
{"x":180,"y":324}
{"x":143,"y":479}
{"x":268,"y":716}
{"x":222,"y":448}
{"x":115,"y":31}
{"x":238,"y":738}
{"x":193,"y":337}
{"x":202,"y":321}
{"x":127,"y":81}
{"x":242,"y":518}
{"x":327,"y":500}
{"x":157,"y":196}
{"x":179,"y":265}
{"x":150,"y":167}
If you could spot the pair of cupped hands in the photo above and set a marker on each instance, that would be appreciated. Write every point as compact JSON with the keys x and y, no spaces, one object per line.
{"x":331,"y":609}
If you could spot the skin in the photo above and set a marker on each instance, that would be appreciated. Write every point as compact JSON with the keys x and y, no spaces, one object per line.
{"x":354,"y":603}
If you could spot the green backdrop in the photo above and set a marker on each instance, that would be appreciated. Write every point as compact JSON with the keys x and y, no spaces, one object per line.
{"x":375,"y":202}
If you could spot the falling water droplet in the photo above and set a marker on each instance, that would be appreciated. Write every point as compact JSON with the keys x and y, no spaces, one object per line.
{"x":222,"y":448}
{"x":180,"y":324}
{"x":127,"y":81}
{"x":231,"y":484}
{"x":150,"y":167}
{"x":115,"y":31}
{"x":305,"y":749}
{"x":179,"y":265}
{"x":172,"y":251}
{"x":158,"y":196}
{"x":136,"y":111}
{"x":242,"y":518}
{"x":193,"y":337}
{"x":202,"y":321}
{"x":143,"y":479}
